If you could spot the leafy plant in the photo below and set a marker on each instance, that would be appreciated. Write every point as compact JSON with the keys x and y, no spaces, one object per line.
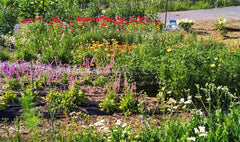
{"x":9,"y":97}
{"x":3,"y":106}
{"x":221,"y":26}
{"x":24,"y":54}
{"x":128,"y":102}
{"x":8,"y":16}
{"x":216,"y":97}
{"x":13,"y":84}
{"x":100,"y":80}
{"x":111,"y":102}
{"x":29,"y":112}
{"x":4,"y":55}
{"x":185,"y":24}
{"x":66,"y":100}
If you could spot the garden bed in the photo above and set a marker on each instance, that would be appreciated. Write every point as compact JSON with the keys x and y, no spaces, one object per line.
{"x":188,"y":72}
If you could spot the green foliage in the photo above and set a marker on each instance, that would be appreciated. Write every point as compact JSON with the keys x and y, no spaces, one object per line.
{"x":125,"y":11}
{"x":64,"y":79}
{"x":29,"y":112}
{"x":128,"y":103}
{"x":13,"y":84}
{"x":221,"y":26}
{"x":24,"y":54}
{"x":30,"y":8}
{"x":93,"y":10}
{"x":8,"y":16}
{"x":100,"y":80}
{"x":87,"y":80}
{"x":111,"y":102}
{"x":9,"y":97}
{"x":66,"y":100}
{"x":3,"y":106}
{"x":4,"y":55}
{"x":216,"y":97}
{"x":185,"y":24}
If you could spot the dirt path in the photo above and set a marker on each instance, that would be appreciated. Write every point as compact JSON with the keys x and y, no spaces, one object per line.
{"x":205,"y":19}
{"x":204,"y":14}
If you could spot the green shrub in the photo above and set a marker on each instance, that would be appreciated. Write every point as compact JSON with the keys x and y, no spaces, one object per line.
{"x":4,"y":55}
{"x":110,"y":103}
{"x":9,"y":97}
{"x":128,"y":103}
{"x":8,"y":16}
{"x":66,"y":101}
{"x":25,"y":55}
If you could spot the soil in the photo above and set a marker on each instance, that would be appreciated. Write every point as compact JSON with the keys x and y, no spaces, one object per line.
{"x":205,"y":30}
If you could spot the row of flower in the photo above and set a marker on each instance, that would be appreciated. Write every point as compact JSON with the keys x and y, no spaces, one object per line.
{"x":90,"y":21}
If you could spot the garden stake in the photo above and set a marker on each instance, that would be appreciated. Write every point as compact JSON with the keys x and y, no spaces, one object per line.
{"x":166,"y":14}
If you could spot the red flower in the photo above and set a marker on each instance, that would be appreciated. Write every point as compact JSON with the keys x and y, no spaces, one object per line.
{"x":70,"y":16}
{"x":19,"y":27}
{"x":66,"y":20}
{"x":55,"y":26}
{"x":60,"y":26}
{"x":71,"y":25}
{"x":43,"y":20}
{"x":49,"y":24}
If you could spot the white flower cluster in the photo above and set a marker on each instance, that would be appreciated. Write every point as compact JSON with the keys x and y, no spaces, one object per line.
{"x":181,"y":104}
{"x":8,"y":39}
{"x":118,"y":123}
{"x":222,"y":20}
{"x":200,"y":131}
{"x":185,"y":21}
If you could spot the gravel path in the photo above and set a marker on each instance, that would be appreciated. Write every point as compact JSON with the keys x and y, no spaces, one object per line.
{"x":204,"y":14}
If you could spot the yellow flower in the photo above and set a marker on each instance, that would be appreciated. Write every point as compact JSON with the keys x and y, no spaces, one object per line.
{"x":212,"y":65}
{"x":169,"y":50}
